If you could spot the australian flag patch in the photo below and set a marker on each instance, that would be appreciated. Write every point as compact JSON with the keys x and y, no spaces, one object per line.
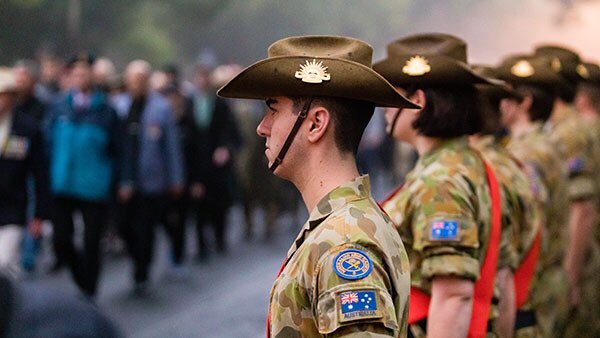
{"x":443,"y":231}
{"x":360,"y":304}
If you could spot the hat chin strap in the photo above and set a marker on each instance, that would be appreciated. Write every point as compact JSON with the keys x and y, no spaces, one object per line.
{"x":391,"y":133}
{"x":288,"y":141}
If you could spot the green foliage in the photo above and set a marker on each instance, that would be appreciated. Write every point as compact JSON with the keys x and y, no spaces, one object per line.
{"x":178,"y":30}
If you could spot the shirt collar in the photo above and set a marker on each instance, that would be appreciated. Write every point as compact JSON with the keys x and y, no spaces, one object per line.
{"x":561,"y":114}
{"x":485,"y":141}
{"x":452,"y":144}
{"x":357,"y":189}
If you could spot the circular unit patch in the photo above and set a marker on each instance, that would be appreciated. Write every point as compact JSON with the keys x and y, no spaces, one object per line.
{"x":352,"y":264}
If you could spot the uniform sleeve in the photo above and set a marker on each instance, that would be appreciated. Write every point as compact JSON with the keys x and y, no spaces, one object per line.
{"x":445,"y":230}
{"x":353,"y":294}
{"x":580,"y":167}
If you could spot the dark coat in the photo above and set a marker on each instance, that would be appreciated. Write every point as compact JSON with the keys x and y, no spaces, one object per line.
{"x":24,"y":156}
{"x":152,"y":159}
{"x":221,"y":131}
{"x":33,"y":107}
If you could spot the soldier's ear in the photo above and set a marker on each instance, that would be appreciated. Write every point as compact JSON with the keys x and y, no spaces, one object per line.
{"x":419,"y":98}
{"x":318,"y":122}
{"x":526,"y":103}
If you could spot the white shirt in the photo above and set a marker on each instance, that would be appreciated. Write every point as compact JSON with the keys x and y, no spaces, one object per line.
{"x":5,"y":126}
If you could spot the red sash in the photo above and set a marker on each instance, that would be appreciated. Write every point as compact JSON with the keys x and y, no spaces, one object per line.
{"x":524,"y":274}
{"x":484,"y":287}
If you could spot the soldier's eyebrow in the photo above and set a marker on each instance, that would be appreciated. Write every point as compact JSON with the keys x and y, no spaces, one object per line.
{"x":270,"y":102}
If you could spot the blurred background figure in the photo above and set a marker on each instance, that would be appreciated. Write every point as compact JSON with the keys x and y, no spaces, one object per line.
{"x":21,"y":157}
{"x":82,"y":134}
{"x":167,"y":83}
{"x":104,"y":74}
{"x":216,"y":137}
{"x":152,"y":168}
{"x":51,"y":72}
{"x":26,"y":74}
{"x":26,"y":77}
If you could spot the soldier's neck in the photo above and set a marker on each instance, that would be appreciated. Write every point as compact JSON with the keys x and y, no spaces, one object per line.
{"x":589,"y":114}
{"x":521,"y":126}
{"x":424,"y":144}
{"x":323,"y":176}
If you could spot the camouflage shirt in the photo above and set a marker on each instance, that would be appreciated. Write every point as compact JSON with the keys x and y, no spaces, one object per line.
{"x":539,"y":154}
{"x":522,"y":209}
{"x":347,"y":271}
{"x":576,"y":146}
{"x":443,"y":214}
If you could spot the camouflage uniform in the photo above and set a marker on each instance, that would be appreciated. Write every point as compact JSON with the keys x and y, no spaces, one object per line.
{"x":523,"y":200}
{"x":579,"y":147}
{"x":307,"y":297}
{"x":448,"y":187}
{"x":549,"y":288}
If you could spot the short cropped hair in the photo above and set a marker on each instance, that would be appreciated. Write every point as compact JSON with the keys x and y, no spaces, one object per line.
{"x":567,"y":91}
{"x":542,"y":101}
{"x":490,"y":113}
{"x":450,"y":111}
{"x":593,"y":92}
{"x":350,"y":119}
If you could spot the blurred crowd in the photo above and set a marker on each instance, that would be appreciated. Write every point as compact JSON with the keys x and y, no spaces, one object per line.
{"x":107,"y":156}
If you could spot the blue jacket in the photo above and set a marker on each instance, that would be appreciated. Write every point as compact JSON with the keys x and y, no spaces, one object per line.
{"x":153,"y":161}
{"x":83,"y":148}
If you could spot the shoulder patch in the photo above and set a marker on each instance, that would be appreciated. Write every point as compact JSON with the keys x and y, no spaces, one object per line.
{"x":576,"y":165}
{"x":357,"y":305}
{"x":443,"y":230}
{"x":352,"y":264}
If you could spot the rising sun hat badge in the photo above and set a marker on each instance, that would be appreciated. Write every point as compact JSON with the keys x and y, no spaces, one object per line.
{"x":313,"y":72}
{"x":522,"y":69}
{"x":582,"y":71}
{"x":416,"y":66}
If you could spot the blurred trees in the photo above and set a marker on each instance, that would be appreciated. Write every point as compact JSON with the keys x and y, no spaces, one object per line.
{"x":119,"y":29}
{"x":177,"y":30}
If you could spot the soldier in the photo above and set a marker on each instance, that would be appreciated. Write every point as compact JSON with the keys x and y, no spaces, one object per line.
{"x":444,"y":211}
{"x":579,"y":151}
{"x":524,"y":117}
{"x":347,"y":272}
{"x":523,"y":201}
{"x":587,"y":102}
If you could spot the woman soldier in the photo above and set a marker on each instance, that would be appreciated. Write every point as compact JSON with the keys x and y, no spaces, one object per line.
{"x":444,"y":210}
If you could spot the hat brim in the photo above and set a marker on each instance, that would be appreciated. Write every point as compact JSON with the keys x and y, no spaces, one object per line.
{"x":348,"y":79}
{"x":498,"y":92}
{"x":541,"y":77}
{"x":444,"y":71}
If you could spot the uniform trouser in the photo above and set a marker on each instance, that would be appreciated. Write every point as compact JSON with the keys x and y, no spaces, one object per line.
{"x":216,"y":217}
{"x":138,"y":220}
{"x":174,"y":220}
{"x":584,"y":321}
{"x":10,"y":242}
{"x":549,"y":298}
{"x":85,"y":264}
